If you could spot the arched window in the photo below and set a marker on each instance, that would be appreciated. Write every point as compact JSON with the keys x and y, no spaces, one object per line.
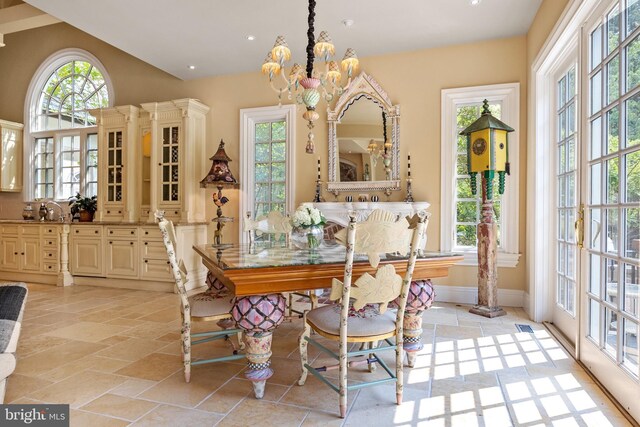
{"x":61,"y":131}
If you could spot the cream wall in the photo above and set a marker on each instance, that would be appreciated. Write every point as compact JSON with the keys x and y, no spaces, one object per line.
{"x":413,"y":80}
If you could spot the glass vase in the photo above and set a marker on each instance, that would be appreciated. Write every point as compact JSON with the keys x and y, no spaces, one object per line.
{"x":307,"y":237}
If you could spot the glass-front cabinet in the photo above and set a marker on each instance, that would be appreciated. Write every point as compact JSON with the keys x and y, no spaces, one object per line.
{"x":177,"y":158}
{"x":117,"y":192}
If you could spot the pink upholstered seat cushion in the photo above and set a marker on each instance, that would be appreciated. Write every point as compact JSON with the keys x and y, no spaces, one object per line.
{"x":327,"y":319}
{"x":208,"y":304}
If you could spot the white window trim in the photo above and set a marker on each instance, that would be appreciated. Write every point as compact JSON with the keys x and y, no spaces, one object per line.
{"x":540,"y":225}
{"x":509,"y":96}
{"x":38,"y":80}
{"x":248,"y":119}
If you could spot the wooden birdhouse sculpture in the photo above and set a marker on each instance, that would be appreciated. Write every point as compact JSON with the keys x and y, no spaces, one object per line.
{"x":487,"y":150}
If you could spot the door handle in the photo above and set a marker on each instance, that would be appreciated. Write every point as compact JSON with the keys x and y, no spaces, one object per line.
{"x":579,"y":227}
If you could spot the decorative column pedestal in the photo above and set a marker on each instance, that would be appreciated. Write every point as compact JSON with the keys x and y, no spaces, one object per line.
{"x":258,"y":316}
{"x":420,"y":298}
{"x":487,"y":260}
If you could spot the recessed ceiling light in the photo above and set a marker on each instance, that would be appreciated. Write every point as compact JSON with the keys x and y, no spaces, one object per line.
{"x":474,"y":2}
{"x":251,"y":38}
{"x":191,"y":67}
{"x":348,"y":22}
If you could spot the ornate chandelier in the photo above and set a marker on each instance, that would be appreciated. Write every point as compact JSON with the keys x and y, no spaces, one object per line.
{"x":328,"y":80}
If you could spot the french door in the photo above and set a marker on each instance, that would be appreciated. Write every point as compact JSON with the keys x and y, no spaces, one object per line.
{"x":567,"y":151}
{"x":610,"y":171}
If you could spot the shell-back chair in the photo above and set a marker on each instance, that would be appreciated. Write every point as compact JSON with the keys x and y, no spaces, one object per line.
{"x":276,"y":224}
{"x":210,"y":305}
{"x":360,"y":314}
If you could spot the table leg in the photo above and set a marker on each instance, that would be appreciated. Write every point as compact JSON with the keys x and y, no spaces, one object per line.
{"x":258,"y":316}
{"x":420,"y":298}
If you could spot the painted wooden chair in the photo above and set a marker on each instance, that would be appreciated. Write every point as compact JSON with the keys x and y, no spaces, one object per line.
{"x":360,"y":314}
{"x":276,"y":224}
{"x":214,"y":304}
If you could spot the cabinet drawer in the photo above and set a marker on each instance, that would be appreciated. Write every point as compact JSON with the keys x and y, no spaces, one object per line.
{"x":10,"y":229}
{"x":154,"y":249}
{"x":50,"y":255}
{"x":50,"y":267}
{"x":122,"y":232}
{"x":151,"y":233}
{"x":87,"y":231}
{"x":156,"y":269}
{"x":32,"y":230}
{"x":49,"y":242}
{"x":50,"y":230}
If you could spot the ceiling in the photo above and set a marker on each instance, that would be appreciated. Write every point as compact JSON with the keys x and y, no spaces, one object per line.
{"x":212,"y":34}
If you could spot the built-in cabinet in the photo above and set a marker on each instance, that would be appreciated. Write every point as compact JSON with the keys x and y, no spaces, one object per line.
{"x":30,"y":248}
{"x":133,"y":253}
{"x":10,"y":156}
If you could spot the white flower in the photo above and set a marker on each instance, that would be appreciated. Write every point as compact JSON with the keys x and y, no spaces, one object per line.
{"x":307,"y":217}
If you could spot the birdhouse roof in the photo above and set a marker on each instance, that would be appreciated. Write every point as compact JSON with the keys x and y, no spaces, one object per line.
{"x":486,"y":121}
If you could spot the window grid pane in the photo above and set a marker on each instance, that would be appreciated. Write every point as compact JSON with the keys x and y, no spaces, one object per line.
{"x":270,"y":170}
{"x":91,"y":174}
{"x":70,"y":167}
{"x":613,"y":235}
{"x":43,"y":171}
{"x":467,"y":206}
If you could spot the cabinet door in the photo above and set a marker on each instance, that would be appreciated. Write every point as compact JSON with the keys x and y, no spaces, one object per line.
{"x":10,"y":253}
{"x":11,"y":155}
{"x":31,"y":254}
{"x":86,"y":257}
{"x":169,"y":166}
{"x":122,"y":259}
{"x":156,"y":269}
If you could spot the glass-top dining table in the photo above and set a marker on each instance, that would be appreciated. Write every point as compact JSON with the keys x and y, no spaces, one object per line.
{"x":258,"y":274}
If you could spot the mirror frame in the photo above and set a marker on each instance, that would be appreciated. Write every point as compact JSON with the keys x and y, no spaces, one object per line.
{"x":363,"y":86}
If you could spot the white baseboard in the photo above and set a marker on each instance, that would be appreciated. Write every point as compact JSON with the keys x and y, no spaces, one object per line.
{"x":469,"y":295}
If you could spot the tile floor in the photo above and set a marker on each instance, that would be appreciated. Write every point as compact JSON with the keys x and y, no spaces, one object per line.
{"x":114,"y":356}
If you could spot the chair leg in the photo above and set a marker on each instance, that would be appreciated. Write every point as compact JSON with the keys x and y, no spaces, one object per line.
{"x":372,"y":366}
{"x":399,"y":372}
{"x":240,"y":340}
{"x":303,"y":351}
{"x":313,"y":299}
{"x":290,"y":304}
{"x":186,"y":347}
{"x":343,"y":378}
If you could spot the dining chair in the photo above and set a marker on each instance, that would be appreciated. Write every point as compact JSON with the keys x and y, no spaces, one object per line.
{"x":276,"y":224}
{"x":212,"y":305}
{"x":360,"y":313}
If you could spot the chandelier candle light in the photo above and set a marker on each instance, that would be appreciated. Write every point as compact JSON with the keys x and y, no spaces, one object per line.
{"x":310,"y":79}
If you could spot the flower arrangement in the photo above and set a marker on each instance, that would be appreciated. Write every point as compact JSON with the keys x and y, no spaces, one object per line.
{"x":308,"y":225}
{"x":306,"y":217}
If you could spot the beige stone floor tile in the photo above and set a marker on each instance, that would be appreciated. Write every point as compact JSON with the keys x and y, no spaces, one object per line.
{"x":252,"y":412}
{"x":147,"y":330}
{"x":29,"y":345}
{"x":78,"y":389}
{"x":57,"y":356}
{"x":164,"y":315}
{"x":321,"y":419}
{"x":114,"y":340}
{"x":132,"y":350}
{"x":154,"y":367}
{"x":170,"y":337}
{"x":25,"y":401}
{"x":86,"y":331}
{"x":91,"y":362}
{"x":317,"y":396}
{"x":233,"y":392}
{"x":133,"y":387}
{"x":285,"y":371}
{"x":20,"y":385}
{"x":376,"y":406}
{"x":119,"y":406}
{"x":57,"y":317}
{"x":173,"y":416}
{"x":205,"y":379}
{"x":458,"y":332}
{"x":125,"y":322}
{"x":85,"y":419}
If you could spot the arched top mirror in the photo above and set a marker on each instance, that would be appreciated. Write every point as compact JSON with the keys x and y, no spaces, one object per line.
{"x":364,"y":138}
